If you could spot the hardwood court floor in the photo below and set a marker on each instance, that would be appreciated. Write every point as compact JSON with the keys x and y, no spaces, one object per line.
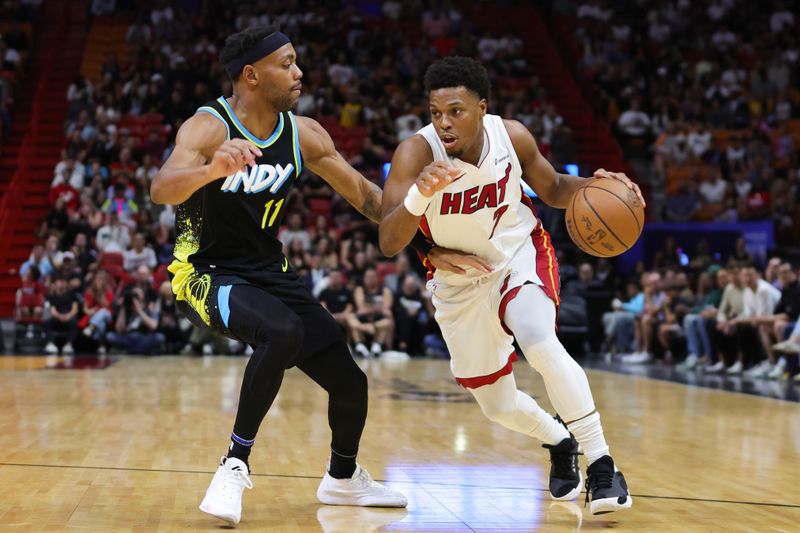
{"x":132,"y":448}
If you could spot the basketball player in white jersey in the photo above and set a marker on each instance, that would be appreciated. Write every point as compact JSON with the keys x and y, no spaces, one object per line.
{"x":459,"y":179}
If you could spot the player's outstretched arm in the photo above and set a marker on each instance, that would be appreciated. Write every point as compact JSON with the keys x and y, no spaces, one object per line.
{"x":320,"y":155}
{"x":201,"y":155}
{"x":412,"y":182}
{"x":553,"y":188}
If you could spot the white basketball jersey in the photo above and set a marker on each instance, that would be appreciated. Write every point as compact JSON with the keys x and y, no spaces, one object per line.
{"x":483,"y":212}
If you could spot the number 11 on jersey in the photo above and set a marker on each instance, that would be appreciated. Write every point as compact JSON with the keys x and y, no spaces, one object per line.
{"x":275,"y":212}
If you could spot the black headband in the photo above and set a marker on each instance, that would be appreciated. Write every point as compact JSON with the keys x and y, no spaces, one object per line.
{"x":261,"y":49}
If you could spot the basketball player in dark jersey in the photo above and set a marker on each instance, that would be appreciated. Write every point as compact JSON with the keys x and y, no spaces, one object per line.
{"x":233,"y":165}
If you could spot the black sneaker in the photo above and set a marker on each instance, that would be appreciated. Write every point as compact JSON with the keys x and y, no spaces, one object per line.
{"x":565,"y":472}
{"x":605,"y":488}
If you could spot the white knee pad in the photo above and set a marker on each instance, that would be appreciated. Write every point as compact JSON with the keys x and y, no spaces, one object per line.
{"x":503,"y":414}
{"x":564,"y":379}
{"x":531,"y":316}
{"x":502,"y":403}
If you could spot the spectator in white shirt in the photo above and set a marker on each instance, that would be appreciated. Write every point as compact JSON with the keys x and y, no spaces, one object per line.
{"x":723,"y":39}
{"x":71,"y":172}
{"x":407,"y":125}
{"x":634,"y":123}
{"x":736,"y":151}
{"x":718,"y":9}
{"x":487,"y":47}
{"x":550,"y":120}
{"x":139,"y":32}
{"x":713,"y":191}
{"x":760,"y":297}
{"x":161,"y":14}
{"x":341,"y":73}
{"x":621,"y":31}
{"x":392,"y":9}
{"x":593,"y":10}
{"x":103,"y":7}
{"x":781,"y":20}
{"x":294,"y":231}
{"x":140,"y":254}
{"x":114,"y":236}
{"x":659,"y":30}
{"x":699,"y":140}
{"x":741,"y":185}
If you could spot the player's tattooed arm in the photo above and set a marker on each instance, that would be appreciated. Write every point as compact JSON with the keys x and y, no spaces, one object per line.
{"x":371,"y":207}
{"x":320,"y":155}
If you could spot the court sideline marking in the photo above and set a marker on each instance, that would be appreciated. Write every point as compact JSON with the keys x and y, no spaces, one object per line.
{"x":288,"y":476}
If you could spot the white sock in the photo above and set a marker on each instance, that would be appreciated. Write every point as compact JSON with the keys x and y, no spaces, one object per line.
{"x":501,"y":402}
{"x":589,"y":433}
{"x":548,"y":430}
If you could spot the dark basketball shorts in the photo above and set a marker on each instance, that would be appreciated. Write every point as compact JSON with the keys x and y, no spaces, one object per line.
{"x":237,"y":304}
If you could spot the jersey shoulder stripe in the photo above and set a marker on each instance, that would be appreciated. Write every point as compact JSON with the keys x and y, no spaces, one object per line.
{"x":214,"y":112}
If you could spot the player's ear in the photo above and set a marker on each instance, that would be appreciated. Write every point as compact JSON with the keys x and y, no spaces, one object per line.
{"x":249,"y":74}
{"x":483,"y":105}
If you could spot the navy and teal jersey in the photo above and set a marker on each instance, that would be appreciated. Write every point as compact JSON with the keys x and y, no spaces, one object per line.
{"x":231,"y":224}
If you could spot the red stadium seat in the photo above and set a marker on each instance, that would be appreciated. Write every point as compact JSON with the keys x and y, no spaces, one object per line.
{"x":111,"y":259}
{"x":383,"y":269}
{"x":160,"y":276}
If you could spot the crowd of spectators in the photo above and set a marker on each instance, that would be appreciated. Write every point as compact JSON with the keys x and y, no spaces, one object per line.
{"x":16,"y":35}
{"x":363,"y":73}
{"x":99,"y":279}
{"x":704,"y":94}
{"x":728,"y":317}
{"x":707,"y":93}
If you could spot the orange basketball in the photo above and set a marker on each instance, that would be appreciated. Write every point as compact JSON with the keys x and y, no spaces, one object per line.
{"x":605,"y":217}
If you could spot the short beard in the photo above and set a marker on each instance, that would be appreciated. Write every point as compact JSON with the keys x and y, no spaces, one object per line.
{"x":282,"y":103}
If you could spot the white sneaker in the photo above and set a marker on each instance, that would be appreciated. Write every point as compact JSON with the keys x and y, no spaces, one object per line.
{"x":716,"y":368}
{"x":637,"y":358}
{"x":360,"y":490}
{"x":68,"y":349}
{"x":777,"y":371}
{"x":689,"y":363}
{"x":760,"y":370}
{"x":51,"y":348}
{"x":735,"y":369}
{"x":208,"y":349}
{"x":101,"y":350}
{"x":787,"y":346}
{"x":362,"y":350}
{"x":224,"y":495}
{"x":376,"y":349}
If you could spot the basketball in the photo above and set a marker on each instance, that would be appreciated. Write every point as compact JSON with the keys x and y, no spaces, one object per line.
{"x":605,"y":218}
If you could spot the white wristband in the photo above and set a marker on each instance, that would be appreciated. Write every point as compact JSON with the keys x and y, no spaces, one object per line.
{"x":416,"y":202}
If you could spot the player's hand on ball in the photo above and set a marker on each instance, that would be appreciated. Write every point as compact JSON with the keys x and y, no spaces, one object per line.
{"x":619,"y":176}
{"x":455,"y":261}
{"x":436,"y":177}
{"x":232,"y":156}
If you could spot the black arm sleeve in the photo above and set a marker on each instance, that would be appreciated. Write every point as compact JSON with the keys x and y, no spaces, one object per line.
{"x":421,"y":243}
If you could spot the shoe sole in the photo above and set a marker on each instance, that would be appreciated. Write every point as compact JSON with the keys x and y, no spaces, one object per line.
{"x":227,"y":518}
{"x":609,"y":505}
{"x":571,"y":495}
{"x":363,"y":502}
